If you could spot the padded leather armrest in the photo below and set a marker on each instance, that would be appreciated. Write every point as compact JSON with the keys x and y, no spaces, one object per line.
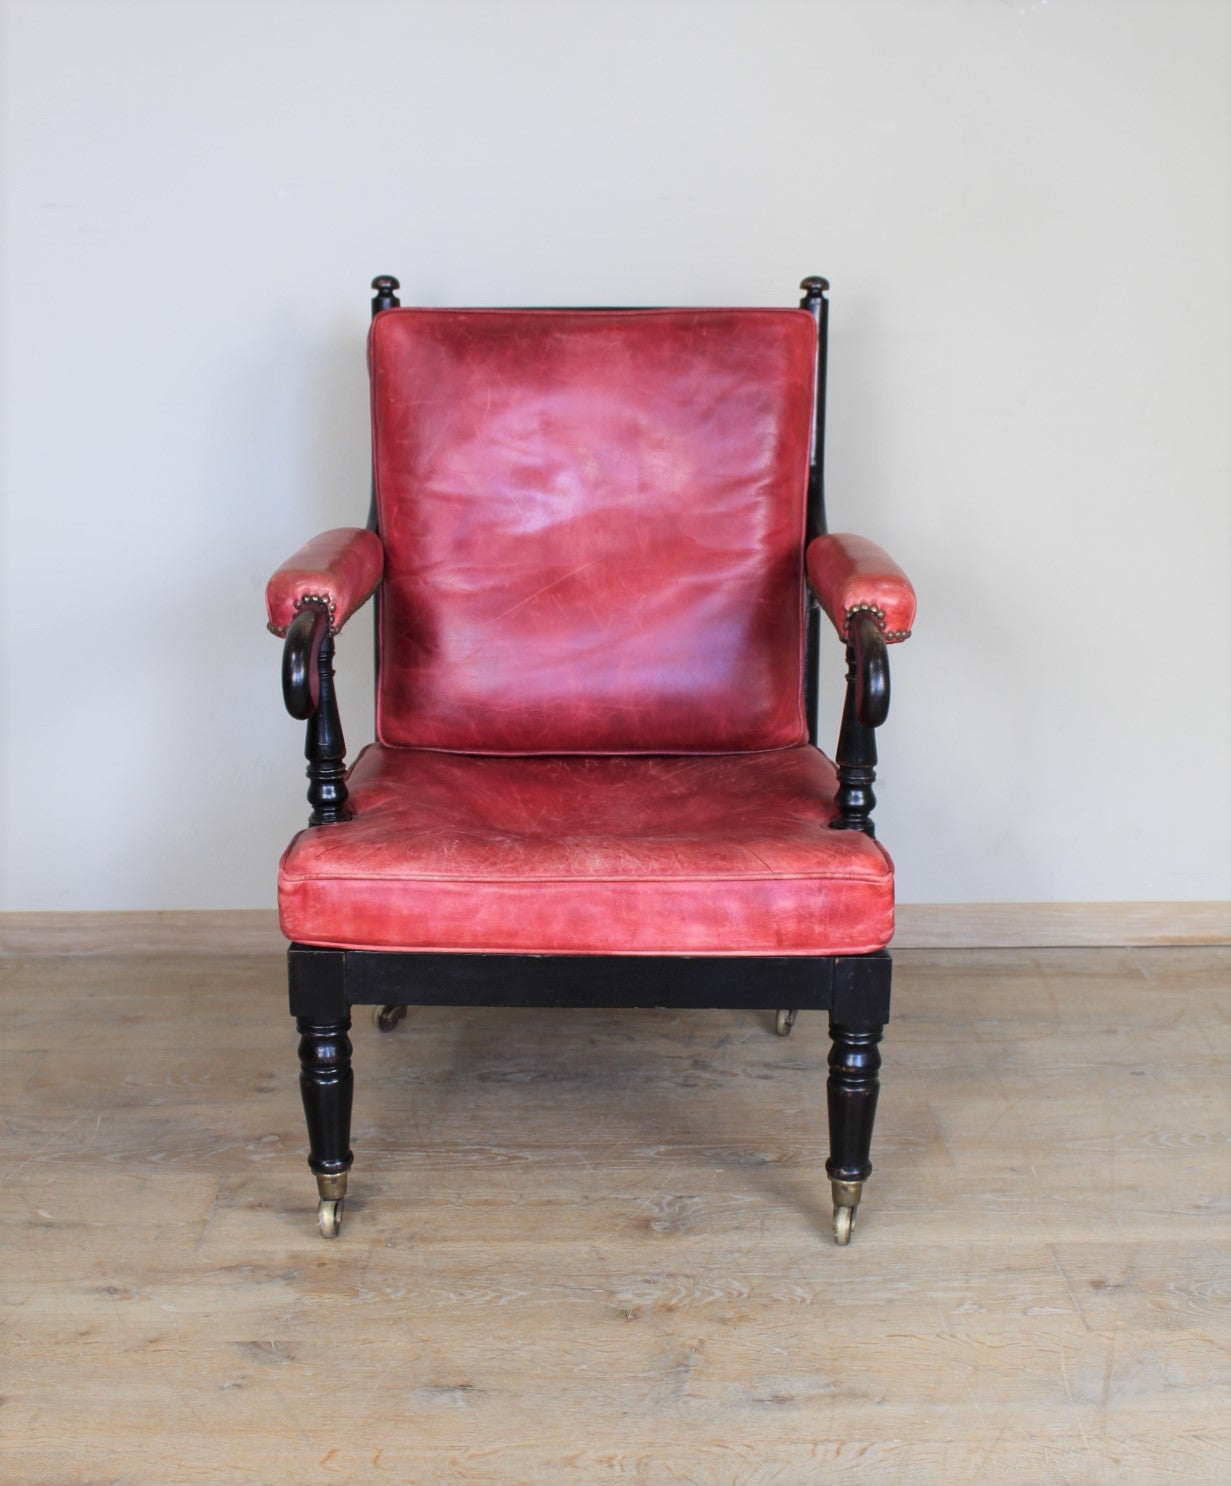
{"x":338,"y":570}
{"x":851,"y":575}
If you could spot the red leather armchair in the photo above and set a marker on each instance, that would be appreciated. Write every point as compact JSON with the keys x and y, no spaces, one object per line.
{"x":598,"y":550}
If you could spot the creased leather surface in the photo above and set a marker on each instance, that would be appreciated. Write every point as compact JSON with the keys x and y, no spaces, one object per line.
{"x":594,"y":528}
{"x":343,"y":566}
{"x":724,"y":855}
{"x":848,"y":572}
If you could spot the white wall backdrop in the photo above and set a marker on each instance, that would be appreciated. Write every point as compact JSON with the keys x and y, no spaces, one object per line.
{"x":1023,"y":208}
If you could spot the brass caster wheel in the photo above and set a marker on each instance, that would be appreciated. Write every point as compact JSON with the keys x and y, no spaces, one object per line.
{"x":846,"y":1197}
{"x":784,"y":1023}
{"x":329,"y":1216}
{"x":387,"y":1017}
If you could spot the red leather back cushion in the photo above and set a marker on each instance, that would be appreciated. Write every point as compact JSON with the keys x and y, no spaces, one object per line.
{"x":593,"y":525}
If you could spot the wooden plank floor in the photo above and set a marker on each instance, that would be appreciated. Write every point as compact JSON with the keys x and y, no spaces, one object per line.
{"x":594,"y":1246}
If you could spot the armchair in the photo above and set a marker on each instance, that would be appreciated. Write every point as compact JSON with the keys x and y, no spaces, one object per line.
{"x":598,"y":553}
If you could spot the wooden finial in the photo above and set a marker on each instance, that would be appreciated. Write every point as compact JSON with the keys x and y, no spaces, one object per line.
{"x":815,"y":288}
{"x":385,"y":298}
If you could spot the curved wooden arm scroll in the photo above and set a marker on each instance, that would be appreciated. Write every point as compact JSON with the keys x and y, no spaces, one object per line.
{"x":867,"y":706}
{"x":308,"y":691}
{"x":301,"y":687}
{"x":871,"y":669}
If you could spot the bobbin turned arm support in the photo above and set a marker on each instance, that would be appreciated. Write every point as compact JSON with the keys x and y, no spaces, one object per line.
{"x":309,"y":599}
{"x":872,"y":605}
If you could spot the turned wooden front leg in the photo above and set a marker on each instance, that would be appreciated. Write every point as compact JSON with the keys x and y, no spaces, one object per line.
{"x":854,"y":1063}
{"x":327,"y":1084}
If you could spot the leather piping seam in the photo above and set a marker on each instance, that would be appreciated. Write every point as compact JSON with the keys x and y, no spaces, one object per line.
{"x":698,"y":882}
{"x":865,"y":879}
{"x":820,"y":952}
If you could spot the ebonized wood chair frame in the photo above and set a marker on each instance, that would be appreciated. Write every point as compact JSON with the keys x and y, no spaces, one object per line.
{"x":325,"y":983}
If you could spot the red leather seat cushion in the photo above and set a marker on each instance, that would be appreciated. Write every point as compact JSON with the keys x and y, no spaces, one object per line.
{"x":712,"y":855}
{"x":593,"y":526}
